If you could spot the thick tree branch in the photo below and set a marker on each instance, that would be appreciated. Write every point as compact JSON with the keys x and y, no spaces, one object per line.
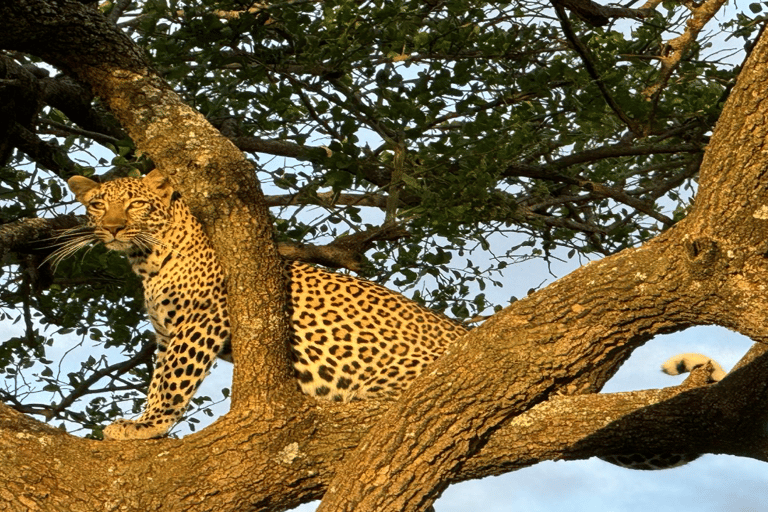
{"x":670,"y":420}
{"x":428,"y":443}
{"x":716,"y":260}
{"x":303,"y":455}
{"x":34,"y":235}
{"x":277,"y":448}
{"x":218,"y":183}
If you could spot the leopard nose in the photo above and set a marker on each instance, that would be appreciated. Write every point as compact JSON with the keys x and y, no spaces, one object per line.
{"x":113,"y":228}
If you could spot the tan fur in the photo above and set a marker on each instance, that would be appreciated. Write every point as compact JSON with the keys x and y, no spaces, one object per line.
{"x":351,"y":338}
{"x":683,"y":363}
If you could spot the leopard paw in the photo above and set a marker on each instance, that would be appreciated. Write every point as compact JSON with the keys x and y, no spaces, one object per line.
{"x":122,"y":430}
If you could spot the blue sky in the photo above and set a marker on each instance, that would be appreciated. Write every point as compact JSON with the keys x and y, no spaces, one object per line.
{"x":712,"y":483}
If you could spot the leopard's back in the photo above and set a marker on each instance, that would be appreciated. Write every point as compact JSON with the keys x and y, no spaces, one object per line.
{"x":352,"y":338}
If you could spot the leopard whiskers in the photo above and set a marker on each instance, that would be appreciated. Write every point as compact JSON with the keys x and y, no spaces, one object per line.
{"x":76,"y":231}
{"x":68,"y":247}
{"x":147,"y":241}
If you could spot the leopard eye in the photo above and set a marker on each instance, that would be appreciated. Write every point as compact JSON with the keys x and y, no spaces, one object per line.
{"x":139,"y":203}
{"x":97,"y":204}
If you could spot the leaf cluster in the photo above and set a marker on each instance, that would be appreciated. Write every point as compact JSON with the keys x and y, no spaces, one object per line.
{"x":490,"y":132}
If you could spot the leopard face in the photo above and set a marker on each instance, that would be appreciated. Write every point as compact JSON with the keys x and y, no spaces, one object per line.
{"x":351,"y":338}
{"x":126,"y":215}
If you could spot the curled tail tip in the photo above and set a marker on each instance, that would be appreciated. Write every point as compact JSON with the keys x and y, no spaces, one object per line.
{"x":684,"y":363}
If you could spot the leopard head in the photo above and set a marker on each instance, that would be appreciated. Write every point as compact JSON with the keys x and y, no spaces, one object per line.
{"x":127,"y":213}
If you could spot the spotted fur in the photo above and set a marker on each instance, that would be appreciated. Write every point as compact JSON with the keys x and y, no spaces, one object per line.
{"x":676,"y":365}
{"x":351,"y":339}
{"x":355,"y":339}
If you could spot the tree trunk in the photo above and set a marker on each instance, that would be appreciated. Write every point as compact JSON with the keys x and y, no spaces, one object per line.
{"x":503,"y":397}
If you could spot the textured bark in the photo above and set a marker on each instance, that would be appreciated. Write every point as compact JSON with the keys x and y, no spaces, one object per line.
{"x":250,"y":464}
{"x":709,"y":269}
{"x":503,"y":397}
{"x":218,"y":183}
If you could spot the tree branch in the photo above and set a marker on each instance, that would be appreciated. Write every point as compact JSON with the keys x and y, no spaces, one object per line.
{"x":220,"y":187}
{"x":402,"y":466}
{"x":676,"y":48}
{"x":600,"y":15}
{"x":39,"y":236}
{"x":330,"y":199}
{"x":589,"y":65}
{"x":142,"y":356}
{"x":303,"y":454}
{"x":277,"y":447}
{"x":25,"y":235}
{"x":281,"y":148}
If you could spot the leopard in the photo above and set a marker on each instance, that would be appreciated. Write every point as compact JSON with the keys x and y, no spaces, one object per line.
{"x":351,"y":339}
{"x":689,"y":361}
{"x":676,"y":365}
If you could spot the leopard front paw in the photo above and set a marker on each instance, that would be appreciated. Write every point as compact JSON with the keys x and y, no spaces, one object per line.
{"x":122,"y":430}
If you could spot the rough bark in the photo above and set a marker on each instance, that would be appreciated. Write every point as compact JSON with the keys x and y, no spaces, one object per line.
{"x":709,"y":269}
{"x":218,"y":183}
{"x":504,"y":397}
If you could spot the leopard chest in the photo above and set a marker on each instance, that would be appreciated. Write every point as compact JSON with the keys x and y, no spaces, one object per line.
{"x":183,"y":284}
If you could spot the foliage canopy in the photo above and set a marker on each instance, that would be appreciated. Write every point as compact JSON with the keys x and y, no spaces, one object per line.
{"x":423,"y":131}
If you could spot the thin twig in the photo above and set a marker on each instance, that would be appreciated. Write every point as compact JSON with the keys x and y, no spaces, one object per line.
{"x":589,"y":65}
{"x":120,"y":368}
{"x":62,"y":130}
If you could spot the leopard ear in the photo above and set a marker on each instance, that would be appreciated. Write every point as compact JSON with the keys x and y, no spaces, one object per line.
{"x":160,"y":185}
{"x":79,"y":185}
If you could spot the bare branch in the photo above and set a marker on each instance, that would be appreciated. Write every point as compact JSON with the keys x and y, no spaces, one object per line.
{"x":63,"y":130}
{"x":600,"y":15}
{"x":330,"y":199}
{"x":118,"y":369}
{"x":602,"y":191}
{"x":676,"y":48}
{"x":281,"y":148}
